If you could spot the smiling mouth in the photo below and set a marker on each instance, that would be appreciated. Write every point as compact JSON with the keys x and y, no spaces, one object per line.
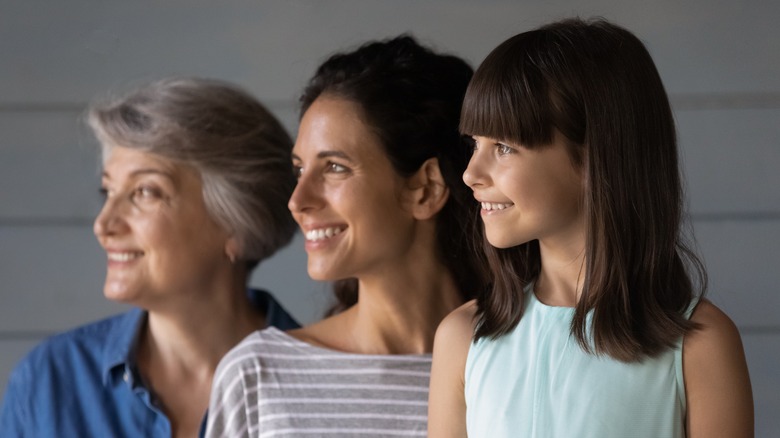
{"x":492,"y":206}
{"x":323,"y":233}
{"x":123,"y":256}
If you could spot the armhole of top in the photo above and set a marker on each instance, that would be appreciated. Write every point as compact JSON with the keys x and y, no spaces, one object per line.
{"x":678,"y":356}
{"x":475,"y":346}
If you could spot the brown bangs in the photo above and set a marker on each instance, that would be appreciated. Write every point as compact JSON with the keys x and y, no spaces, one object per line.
{"x":508,"y":98}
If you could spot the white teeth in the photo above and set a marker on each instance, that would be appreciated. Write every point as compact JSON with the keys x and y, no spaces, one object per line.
{"x":122,"y":256}
{"x":494,"y":206}
{"x":322,"y":233}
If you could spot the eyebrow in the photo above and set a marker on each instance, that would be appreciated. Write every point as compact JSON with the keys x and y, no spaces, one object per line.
{"x":328,"y":154}
{"x":145,"y":171}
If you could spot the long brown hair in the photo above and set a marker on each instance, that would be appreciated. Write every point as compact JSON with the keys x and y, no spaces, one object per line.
{"x":595,"y":83}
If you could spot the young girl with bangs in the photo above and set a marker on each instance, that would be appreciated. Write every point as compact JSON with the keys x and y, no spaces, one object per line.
{"x":595,"y":325}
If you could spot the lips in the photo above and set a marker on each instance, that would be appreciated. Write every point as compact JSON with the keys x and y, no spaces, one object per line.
{"x":318,"y":234}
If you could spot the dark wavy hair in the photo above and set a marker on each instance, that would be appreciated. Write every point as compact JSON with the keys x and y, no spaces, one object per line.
{"x":596,"y":84}
{"x":411,"y":97}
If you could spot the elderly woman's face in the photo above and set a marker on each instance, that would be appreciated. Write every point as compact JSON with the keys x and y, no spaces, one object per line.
{"x":159,"y":238}
{"x":349,"y":199}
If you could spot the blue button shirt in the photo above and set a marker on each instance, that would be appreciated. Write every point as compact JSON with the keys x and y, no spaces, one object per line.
{"x":85,"y":382}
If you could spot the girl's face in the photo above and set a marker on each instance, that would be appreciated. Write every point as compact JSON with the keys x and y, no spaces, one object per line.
{"x":526,"y":194}
{"x":154,"y":226}
{"x":348,"y":201}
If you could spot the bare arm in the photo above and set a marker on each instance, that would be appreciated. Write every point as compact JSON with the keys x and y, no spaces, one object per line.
{"x":446,"y":403}
{"x":717,"y":384}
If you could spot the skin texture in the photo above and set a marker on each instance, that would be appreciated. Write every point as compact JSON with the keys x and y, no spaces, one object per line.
{"x":346,"y":183}
{"x":154,"y":217}
{"x":168,"y":256}
{"x":542,"y":195}
{"x":534,"y":193}
{"x":717,"y":384}
{"x":386,"y":234}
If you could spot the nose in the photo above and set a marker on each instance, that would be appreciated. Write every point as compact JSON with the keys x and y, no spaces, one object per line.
{"x":109,"y":219}
{"x":305,"y":196}
{"x":475,"y":175}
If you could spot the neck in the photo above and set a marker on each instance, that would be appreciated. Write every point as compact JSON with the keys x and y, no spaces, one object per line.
{"x":397,"y":312}
{"x":562,"y":275}
{"x":401,"y":317}
{"x":192,"y":332}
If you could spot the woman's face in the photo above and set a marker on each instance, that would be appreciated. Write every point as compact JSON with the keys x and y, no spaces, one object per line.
{"x":159,"y":238}
{"x":526,"y":194}
{"x":349,"y":199}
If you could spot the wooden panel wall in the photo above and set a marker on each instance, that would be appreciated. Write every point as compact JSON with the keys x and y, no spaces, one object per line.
{"x":719,"y":61}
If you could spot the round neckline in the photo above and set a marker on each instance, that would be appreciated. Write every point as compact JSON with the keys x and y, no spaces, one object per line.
{"x":326,"y":350}
{"x":530,"y":290}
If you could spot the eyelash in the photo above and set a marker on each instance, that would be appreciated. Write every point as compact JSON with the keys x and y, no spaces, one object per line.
{"x":336,"y":167}
{"x":503,"y":149}
{"x":146,"y":192}
{"x":297,"y":171}
{"x":330,"y":167}
{"x":143,"y":192}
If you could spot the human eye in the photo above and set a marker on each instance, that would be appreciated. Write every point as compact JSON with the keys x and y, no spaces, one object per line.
{"x":297,"y":171}
{"x":106,"y":192}
{"x":503,"y":149}
{"x":146,"y":193}
{"x":334,"y":167}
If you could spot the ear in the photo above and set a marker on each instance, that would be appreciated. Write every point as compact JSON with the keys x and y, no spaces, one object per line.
{"x":232,"y":249}
{"x":427,"y":190}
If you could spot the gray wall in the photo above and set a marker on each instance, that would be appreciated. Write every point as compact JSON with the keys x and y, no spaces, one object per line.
{"x":719,"y":60}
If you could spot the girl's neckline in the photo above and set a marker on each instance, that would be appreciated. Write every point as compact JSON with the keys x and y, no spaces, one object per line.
{"x":531,"y":291}
{"x":325,"y":350}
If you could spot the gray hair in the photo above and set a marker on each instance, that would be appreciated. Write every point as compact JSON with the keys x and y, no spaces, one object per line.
{"x":240,"y":149}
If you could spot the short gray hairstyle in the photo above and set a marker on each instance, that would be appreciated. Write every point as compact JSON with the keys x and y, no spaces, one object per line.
{"x":242,"y":152}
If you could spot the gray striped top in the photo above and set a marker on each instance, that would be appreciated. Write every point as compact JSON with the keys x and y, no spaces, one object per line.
{"x":274,"y":385}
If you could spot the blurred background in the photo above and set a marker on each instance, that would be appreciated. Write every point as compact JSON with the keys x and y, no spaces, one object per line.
{"x":719,"y":59}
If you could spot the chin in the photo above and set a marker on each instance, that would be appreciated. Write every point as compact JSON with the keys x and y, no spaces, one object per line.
{"x":118,"y":294}
{"x":505,"y":242}
{"x":319,"y":274}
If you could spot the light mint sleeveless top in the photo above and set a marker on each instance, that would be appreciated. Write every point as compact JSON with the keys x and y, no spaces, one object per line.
{"x":537,"y":382}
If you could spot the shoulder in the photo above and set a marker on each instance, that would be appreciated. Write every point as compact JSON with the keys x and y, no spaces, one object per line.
{"x":446,"y":402}
{"x":67,"y":364}
{"x":459,"y":325}
{"x":240,"y":375}
{"x":258,"y":350}
{"x":79,"y":344}
{"x":454,"y":336}
{"x":717,"y":332}
{"x":717,"y":383}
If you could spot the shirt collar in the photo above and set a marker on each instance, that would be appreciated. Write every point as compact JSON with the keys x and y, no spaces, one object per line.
{"x":122,"y":338}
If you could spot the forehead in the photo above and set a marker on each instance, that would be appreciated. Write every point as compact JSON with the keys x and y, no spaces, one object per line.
{"x":336,"y":124}
{"x":122,"y":162}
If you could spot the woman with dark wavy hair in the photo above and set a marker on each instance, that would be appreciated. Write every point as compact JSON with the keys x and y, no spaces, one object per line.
{"x":379,"y":198}
{"x":594,"y":326}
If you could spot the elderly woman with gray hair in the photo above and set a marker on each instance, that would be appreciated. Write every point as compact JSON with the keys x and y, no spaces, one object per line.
{"x":196,"y":177}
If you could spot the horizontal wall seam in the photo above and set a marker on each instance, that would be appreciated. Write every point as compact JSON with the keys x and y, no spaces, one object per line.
{"x":78,"y":107}
{"x":679,"y":101}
